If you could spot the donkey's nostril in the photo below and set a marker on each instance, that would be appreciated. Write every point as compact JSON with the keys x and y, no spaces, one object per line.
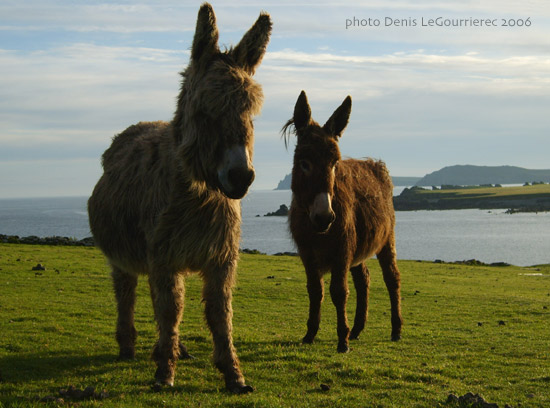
{"x":240,"y":178}
{"x":322,"y":222}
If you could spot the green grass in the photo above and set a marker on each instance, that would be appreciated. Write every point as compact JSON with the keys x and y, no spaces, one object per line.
{"x":493,"y":192}
{"x":526,"y":198}
{"x":57,"y":329}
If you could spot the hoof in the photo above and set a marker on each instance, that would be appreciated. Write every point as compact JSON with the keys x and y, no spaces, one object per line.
{"x":126,"y":355}
{"x":395,"y":337}
{"x":159,"y":386}
{"x":164,"y":377}
{"x":343,"y":348}
{"x":307,"y":340}
{"x":163,"y":383}
{"x":353,"y":336}
{"x":240,"y":389}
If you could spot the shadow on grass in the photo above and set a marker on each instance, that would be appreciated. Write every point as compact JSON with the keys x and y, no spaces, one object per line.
{"x":284,"y":350}
{"x":24,"y":367}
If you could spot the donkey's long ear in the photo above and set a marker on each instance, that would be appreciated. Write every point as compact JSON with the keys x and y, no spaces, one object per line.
{"x":339,"y":119}
{"x":302,"y":112}
{"x":205,"y":42}
{"x":250,"y":50}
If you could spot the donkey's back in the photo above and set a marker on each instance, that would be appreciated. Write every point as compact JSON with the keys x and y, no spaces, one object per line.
{"x":365,"y":187}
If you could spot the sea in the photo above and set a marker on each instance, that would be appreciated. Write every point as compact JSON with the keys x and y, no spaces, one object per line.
{"x":489,"y":236}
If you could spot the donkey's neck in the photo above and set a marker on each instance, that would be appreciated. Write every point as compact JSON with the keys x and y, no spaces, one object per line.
{"x":196,"y":193}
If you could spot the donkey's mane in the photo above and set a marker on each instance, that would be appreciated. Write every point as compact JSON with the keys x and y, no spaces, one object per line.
{"x":287,"y":131}
{"x":232,"y":85}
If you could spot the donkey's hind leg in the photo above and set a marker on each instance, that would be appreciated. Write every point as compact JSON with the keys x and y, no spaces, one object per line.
{"x":392,"y":278}
{"x":361,"y":281}
{"x":125,"y":292}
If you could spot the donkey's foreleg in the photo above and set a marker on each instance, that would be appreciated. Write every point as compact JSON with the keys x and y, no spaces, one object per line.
{"x":217,"y":295}
{"x":315,"y":290}
{"x":125,"y":292}
{"x":168,"y":296}
{"x":339,"y":294}
{"x":392,"y":278}
{"x":361,"y":281}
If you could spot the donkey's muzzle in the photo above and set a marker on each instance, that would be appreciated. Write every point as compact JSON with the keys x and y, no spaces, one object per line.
{"x":321,"y":214}
{"x":235,"y":173}
{"x":240,"y":179}
{"x":322,"y":222}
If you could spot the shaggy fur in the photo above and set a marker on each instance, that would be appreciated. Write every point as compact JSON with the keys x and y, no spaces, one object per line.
{"x":340,"y":233}
{"x":167,"y":203}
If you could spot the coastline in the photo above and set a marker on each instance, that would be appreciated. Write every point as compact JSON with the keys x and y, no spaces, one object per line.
{"x":54,"y":240}
{"x":531,"y":198}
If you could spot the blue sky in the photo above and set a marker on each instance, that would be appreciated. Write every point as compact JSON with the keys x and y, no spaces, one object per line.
{"x":74,"y":73}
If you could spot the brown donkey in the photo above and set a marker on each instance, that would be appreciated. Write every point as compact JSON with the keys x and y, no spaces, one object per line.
{"x":341,"y":215}
{"x":167,"y":203}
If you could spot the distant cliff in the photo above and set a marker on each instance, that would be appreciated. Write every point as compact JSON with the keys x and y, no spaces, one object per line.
{"x":284,"y":184}
{"x":476,"y":175}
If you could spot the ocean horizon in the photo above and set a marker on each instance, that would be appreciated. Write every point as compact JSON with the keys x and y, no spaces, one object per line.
{"x":451,"y":235}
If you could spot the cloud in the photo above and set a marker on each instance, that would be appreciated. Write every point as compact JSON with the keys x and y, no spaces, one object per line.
{"x":74,"y":74}
{"x":415,"y":70}
{"x":108,"y":17}
{"x":83,"y":90}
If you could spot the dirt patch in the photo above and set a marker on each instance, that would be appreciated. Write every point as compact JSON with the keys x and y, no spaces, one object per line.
{"x":73,"y":394}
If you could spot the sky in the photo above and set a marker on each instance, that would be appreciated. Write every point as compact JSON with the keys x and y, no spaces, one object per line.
{"x":433,"y":83}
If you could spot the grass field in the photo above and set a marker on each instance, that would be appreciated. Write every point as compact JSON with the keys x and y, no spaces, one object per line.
{"x":500,"y":192}
{"x":532,"y":198}
{"x":467,"y":329}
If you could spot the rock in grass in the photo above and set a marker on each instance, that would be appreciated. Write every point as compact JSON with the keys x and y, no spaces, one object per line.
{"x":452,"y":399}
{"x":325,"y":387}
{"x":470,"y":400}
{"x":89,"y":393}
{"x":51,"y":399}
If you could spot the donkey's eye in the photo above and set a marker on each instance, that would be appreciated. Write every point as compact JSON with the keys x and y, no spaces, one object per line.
{"x":305,"y":165}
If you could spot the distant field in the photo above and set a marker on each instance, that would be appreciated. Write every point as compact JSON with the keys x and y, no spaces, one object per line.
{"x":532,"y":198}
{"x":467,"y":329}
{"x":518,"y":191}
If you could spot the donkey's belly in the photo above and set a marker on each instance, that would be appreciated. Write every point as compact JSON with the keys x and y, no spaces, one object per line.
{"x":117,"y":228}
{"x":124,"y":246}
{"x":360,"y":257}
{"x":370,"y":244}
